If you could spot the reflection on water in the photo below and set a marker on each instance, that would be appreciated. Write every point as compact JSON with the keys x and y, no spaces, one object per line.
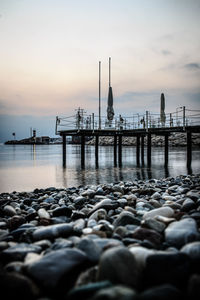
{"x":28,"y":167}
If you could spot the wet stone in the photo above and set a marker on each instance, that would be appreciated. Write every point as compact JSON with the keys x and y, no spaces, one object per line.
{"x":19,"y":251}
{"x":53,"y":231}
{"x":126,"y":218}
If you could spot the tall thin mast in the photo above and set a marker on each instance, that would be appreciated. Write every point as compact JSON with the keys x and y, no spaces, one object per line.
{"x":99,"y":95}
{"x":109,"y":71}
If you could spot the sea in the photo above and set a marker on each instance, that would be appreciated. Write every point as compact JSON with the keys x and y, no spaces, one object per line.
{"x":27,"y":167}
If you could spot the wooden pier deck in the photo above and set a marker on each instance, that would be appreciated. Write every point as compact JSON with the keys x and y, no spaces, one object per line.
{"x":139,"y":133}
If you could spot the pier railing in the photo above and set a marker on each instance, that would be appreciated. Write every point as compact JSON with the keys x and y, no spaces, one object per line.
{"x":182,"y":117}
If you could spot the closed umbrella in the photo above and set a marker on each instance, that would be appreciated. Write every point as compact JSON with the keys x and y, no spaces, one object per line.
{"x":162,"y":110}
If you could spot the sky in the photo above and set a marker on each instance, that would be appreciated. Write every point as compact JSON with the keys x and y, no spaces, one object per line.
{"x":50,"y":51}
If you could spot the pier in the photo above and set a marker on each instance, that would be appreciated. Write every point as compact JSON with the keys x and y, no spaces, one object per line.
{"x":140,"y":126}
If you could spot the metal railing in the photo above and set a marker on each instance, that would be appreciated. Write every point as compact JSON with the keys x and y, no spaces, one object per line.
{"x":182,"y":117}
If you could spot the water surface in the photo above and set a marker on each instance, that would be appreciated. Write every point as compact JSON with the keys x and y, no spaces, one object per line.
{"x":26,"y":167}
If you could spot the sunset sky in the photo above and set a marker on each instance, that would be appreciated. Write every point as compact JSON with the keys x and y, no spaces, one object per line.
{"x":50,"y":49}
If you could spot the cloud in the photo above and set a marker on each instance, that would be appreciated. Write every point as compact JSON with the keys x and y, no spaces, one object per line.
{"x":192,"y":66}
{"x":166,"y":52}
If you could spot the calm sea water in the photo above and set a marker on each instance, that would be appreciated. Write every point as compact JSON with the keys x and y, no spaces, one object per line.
{"x":26,"y":167}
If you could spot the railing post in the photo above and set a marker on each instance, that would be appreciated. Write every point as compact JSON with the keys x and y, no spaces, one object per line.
{"x":184,"y":118}
{"x":64,"y":149}
{"x":138,"y":150}
{"x":93,"y":121}
{"x":147,"y":120}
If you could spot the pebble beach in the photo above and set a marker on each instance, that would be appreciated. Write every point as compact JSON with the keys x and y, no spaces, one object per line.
{"x":124,"y":240}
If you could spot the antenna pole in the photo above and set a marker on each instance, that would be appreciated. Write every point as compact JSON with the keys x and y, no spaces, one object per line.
{"x":109,"y":71}
{"x":99,"y":95}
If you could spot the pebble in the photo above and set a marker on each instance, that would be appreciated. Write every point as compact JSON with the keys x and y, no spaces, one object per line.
{"x":181,"y":232}
{"x":102,"y":242}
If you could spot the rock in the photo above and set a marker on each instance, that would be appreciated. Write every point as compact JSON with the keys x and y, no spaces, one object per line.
{"x":15,"y":221}
{"x":165,"y":220}
{"x":88,"y":290}
{"x":193,"y":251}
{"x":107,"y":204}
{"x":61,"y":265}
{"x":118,"y":266}
{"x":156,"y":196}
{"x":105,"y":243}
{"x":62,"y":211}
{"x":90,"y":248}
{"x":125,"y":218}
{"x":153,"y":224}
{"x":181,"y":232}
{"x":171,"y":268}
{"x":162,"y":211}
{"x":188,"y":205}
{"x":9,"y":210}
{"x":52,"y":231}
{"x":141,"y":254}
{"x":193,"y":288}
{"x":61,"y":243}
{"x":147,"y":234}
{"x":162,"y":292}
{"x":17,"y":286}
{"x":100,"y":214}
{"x":117,"y":292}
{"x":43,"y":214}
{"x":19,"y":251}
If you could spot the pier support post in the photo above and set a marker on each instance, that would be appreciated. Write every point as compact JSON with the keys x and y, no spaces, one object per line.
{"x":166,"y":149}
{"x":64,"y":149}
{"x":142,"y":149}
{"x":82,"y":151}
{"x":120,"y":150}
{"x":97,"y":150}
{"x":189,"y":148}
{"x":149,"y":149}
{"x":115,"y":150}
{"x":138,"y":150}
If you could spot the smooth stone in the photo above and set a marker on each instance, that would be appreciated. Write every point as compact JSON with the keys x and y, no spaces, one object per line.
{"x":42,"y":213}
{"x":155,"y":203}
{"x":193,"y":289}
{"x":99,"y":215}
{"x":105,"y":243}
{"x":61,"y":243}
{"x":153,"y":224}
{"x":91,"y":223}
{"x":193,"y":195}
{"x":79,"y":201}
{"x":62,"y":211}
{"x":56,"y":266}
{"x":3,"y":245}
{"x":188,"y":205}
{"x":79,"y":225}
{"x":19,"y":251}
{"x":44,"y":244}
{"x":181,"y":232}
{"x":117,"y":292}
{"x":86,"y":291}
{"x":125,"y":218}
{"x":165,"y":220}
{"x":193,"y":251}
{"x":169,"y":198}
{"x":52,"y":231}
{"x":118,"y":266}
{"x":31,"y":257}
{"x":156,"y":196}
{"x":167,"y":267}
{"x":14,"y":266}
{"x":147,"y":234}
{"x":9,"y":210}
{"x":162,"y":211}
{"x":16,"y":221}
{"x":18,"y":286}
{"x":162,"y":292}
{"x":140,"y":254}
{"x":107,"y":204}
{"x":90,"y":248}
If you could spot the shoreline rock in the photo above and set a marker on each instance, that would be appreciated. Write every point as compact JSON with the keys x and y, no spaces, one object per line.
{"x":175,"y":140}
{"x":123,"y":240}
